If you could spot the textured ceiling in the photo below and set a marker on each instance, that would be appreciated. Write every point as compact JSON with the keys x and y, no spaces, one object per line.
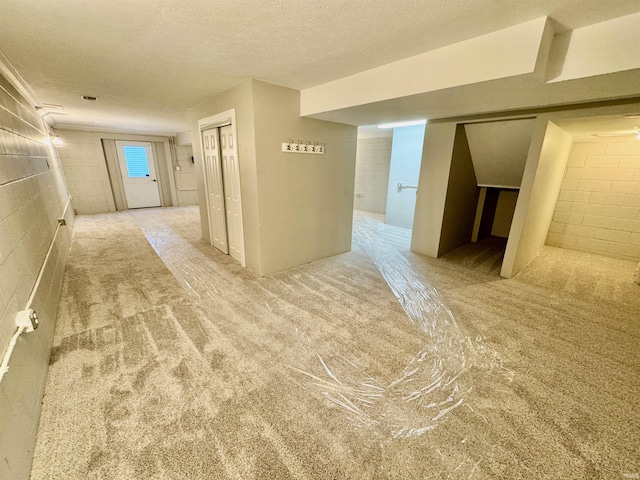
{"x":150,"y":60}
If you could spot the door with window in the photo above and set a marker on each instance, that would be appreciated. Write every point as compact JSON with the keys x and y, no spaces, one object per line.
{"x":137,"y":166}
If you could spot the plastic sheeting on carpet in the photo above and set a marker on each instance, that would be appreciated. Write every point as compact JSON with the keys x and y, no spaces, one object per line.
{"x":433,"y":383}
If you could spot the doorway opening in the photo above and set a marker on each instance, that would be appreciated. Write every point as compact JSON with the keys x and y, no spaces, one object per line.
{"x":222,"y":184}
{"x":387,"y":169}
{"x":138,"y":170}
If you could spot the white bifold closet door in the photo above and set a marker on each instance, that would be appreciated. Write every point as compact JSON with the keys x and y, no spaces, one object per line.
{"x":223,"y":191}
{"x":233,"y":205}
{"x":215,"y":190}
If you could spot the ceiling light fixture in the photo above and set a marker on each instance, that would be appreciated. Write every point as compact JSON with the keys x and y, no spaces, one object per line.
{"x":56,"y":141}
{"x":402,"y":124}
{"x":632,"y":115}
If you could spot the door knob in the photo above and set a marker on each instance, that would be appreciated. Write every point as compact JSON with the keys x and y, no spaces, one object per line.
{"x":154,"y":180}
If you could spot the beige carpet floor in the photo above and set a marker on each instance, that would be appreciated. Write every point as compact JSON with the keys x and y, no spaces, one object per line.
{"x":170,"y":361}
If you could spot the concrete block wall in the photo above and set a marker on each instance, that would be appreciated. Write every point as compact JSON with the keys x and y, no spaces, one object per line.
{"x":373,"y":160}
{"x":33,"y":195}
{"x":86,"y":172}
{"x":186,"y":187}
{"x":85,"y":167}
{"x":598,"y":209}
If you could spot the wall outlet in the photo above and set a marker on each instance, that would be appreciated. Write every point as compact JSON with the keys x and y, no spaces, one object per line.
{"x":27,"y":319}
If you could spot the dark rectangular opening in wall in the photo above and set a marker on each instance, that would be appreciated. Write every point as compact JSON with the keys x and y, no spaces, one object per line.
{"x":488,"y":213}
{"x":485,"y":252}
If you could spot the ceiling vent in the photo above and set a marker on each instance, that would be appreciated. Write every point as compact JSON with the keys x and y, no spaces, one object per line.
{"x":89,"y":98}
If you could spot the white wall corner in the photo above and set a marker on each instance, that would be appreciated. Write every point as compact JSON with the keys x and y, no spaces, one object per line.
{"x":545,"y":56}
{"x":599,"y":49}
{"x":546,"y":162}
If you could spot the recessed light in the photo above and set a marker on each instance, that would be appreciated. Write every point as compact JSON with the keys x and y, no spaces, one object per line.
{"x":89,"y":98}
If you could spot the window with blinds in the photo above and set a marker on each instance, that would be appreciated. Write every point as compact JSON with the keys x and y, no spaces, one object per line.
{"x":137,"y":161}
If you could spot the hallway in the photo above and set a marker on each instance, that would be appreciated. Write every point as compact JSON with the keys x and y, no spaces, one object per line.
{"x":172,"y":361}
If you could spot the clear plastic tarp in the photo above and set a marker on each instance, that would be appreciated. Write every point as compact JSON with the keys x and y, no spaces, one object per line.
{"x":438,"y":379}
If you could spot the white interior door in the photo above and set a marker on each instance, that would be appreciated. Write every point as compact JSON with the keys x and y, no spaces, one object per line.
{"x":138,"y":174}
{"x":233,"y":205}
{"x":215,"y":189}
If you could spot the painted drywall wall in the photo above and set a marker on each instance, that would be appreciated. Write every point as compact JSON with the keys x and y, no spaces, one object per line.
{"x":598,"y":209}
{"x":462,"y":196}
{"x":406,"y":156}
{"x":239,"y":98}
{"x":509,"y":52}
{"x":547,"y":159}
{"x":605,"y":47}
{"x":305,"y":201}
{"x":505,"y":209}
{"x":434,"y":179}
{"x":499,"y":151}
{"x":296,"y":208}
{"x":33,"y":195}
{"x":373,"y":160}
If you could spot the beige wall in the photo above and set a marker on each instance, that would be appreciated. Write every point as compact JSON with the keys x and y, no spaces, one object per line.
{"x":602,"y":48}
{"x":499,"y":150}
{"x":296,"y":208}
{"x":239,"y":98}
{"x":462,"y":196}
{"x":505,"y":209}
{"x":373,"y":160}
{"x":305,"y":201}
{"x":432,"y":187}
{"x":33,"y":195}
{"x":547,"y":159}
{"x":598,"y":209}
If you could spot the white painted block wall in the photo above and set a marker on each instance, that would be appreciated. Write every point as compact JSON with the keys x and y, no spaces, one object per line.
{"x":33,"y":195}
{"x":373,"y":159}
{"x":85,"y":168}
{"x":186,"y":187}
{"x":86,"y":172}
{"x":598,"y":209}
